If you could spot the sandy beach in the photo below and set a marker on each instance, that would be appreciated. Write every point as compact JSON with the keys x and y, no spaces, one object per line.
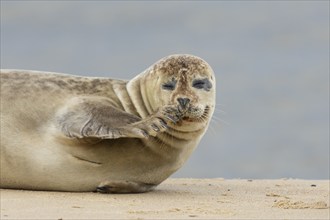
{"x":179,"y":199}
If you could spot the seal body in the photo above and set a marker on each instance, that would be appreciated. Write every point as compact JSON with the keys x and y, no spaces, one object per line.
{"x":70,"y":133}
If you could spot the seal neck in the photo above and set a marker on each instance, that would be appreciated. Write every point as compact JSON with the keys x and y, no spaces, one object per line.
{"x":136,"y":89}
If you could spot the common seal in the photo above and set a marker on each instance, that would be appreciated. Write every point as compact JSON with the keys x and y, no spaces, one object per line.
{"x":71,"y":133}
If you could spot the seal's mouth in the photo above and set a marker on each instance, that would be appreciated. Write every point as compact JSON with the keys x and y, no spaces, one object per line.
{"x":195,"y":114}
{"x":191,"y":113}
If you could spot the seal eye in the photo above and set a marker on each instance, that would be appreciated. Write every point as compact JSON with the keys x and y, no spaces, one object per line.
{"x":199,"y":84}
{"x":169,"y":85}
{"x":202,"y":84}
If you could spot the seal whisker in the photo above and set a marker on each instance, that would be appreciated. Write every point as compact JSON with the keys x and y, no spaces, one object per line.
{"x":221,"y":105}
{"x":219,"y":110}
{"x":213,"y":130}
{"x":219,"y":120}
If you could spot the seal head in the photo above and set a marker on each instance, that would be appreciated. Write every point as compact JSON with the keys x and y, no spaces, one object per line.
{"x":180,"y":84}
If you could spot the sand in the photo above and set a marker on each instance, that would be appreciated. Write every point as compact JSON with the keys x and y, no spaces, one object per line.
{"x":179,"y":199}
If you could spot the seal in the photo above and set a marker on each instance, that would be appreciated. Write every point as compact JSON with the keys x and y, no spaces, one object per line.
{"x":70,"y":133}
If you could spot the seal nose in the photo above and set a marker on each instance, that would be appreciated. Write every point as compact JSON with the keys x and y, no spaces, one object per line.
{"x":183,"y":102}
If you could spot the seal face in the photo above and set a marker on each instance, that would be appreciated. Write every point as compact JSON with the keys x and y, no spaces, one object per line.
{"x":71,"y":133}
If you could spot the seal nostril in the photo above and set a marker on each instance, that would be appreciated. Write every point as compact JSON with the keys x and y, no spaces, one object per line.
{"x":183,"y":102}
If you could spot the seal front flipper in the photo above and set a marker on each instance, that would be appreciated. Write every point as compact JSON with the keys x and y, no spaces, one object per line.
{"x":96,"y":117}
{"x":149,"y":126}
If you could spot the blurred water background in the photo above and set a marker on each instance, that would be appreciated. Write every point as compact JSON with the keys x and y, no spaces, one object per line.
{"x":271,"y":60}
